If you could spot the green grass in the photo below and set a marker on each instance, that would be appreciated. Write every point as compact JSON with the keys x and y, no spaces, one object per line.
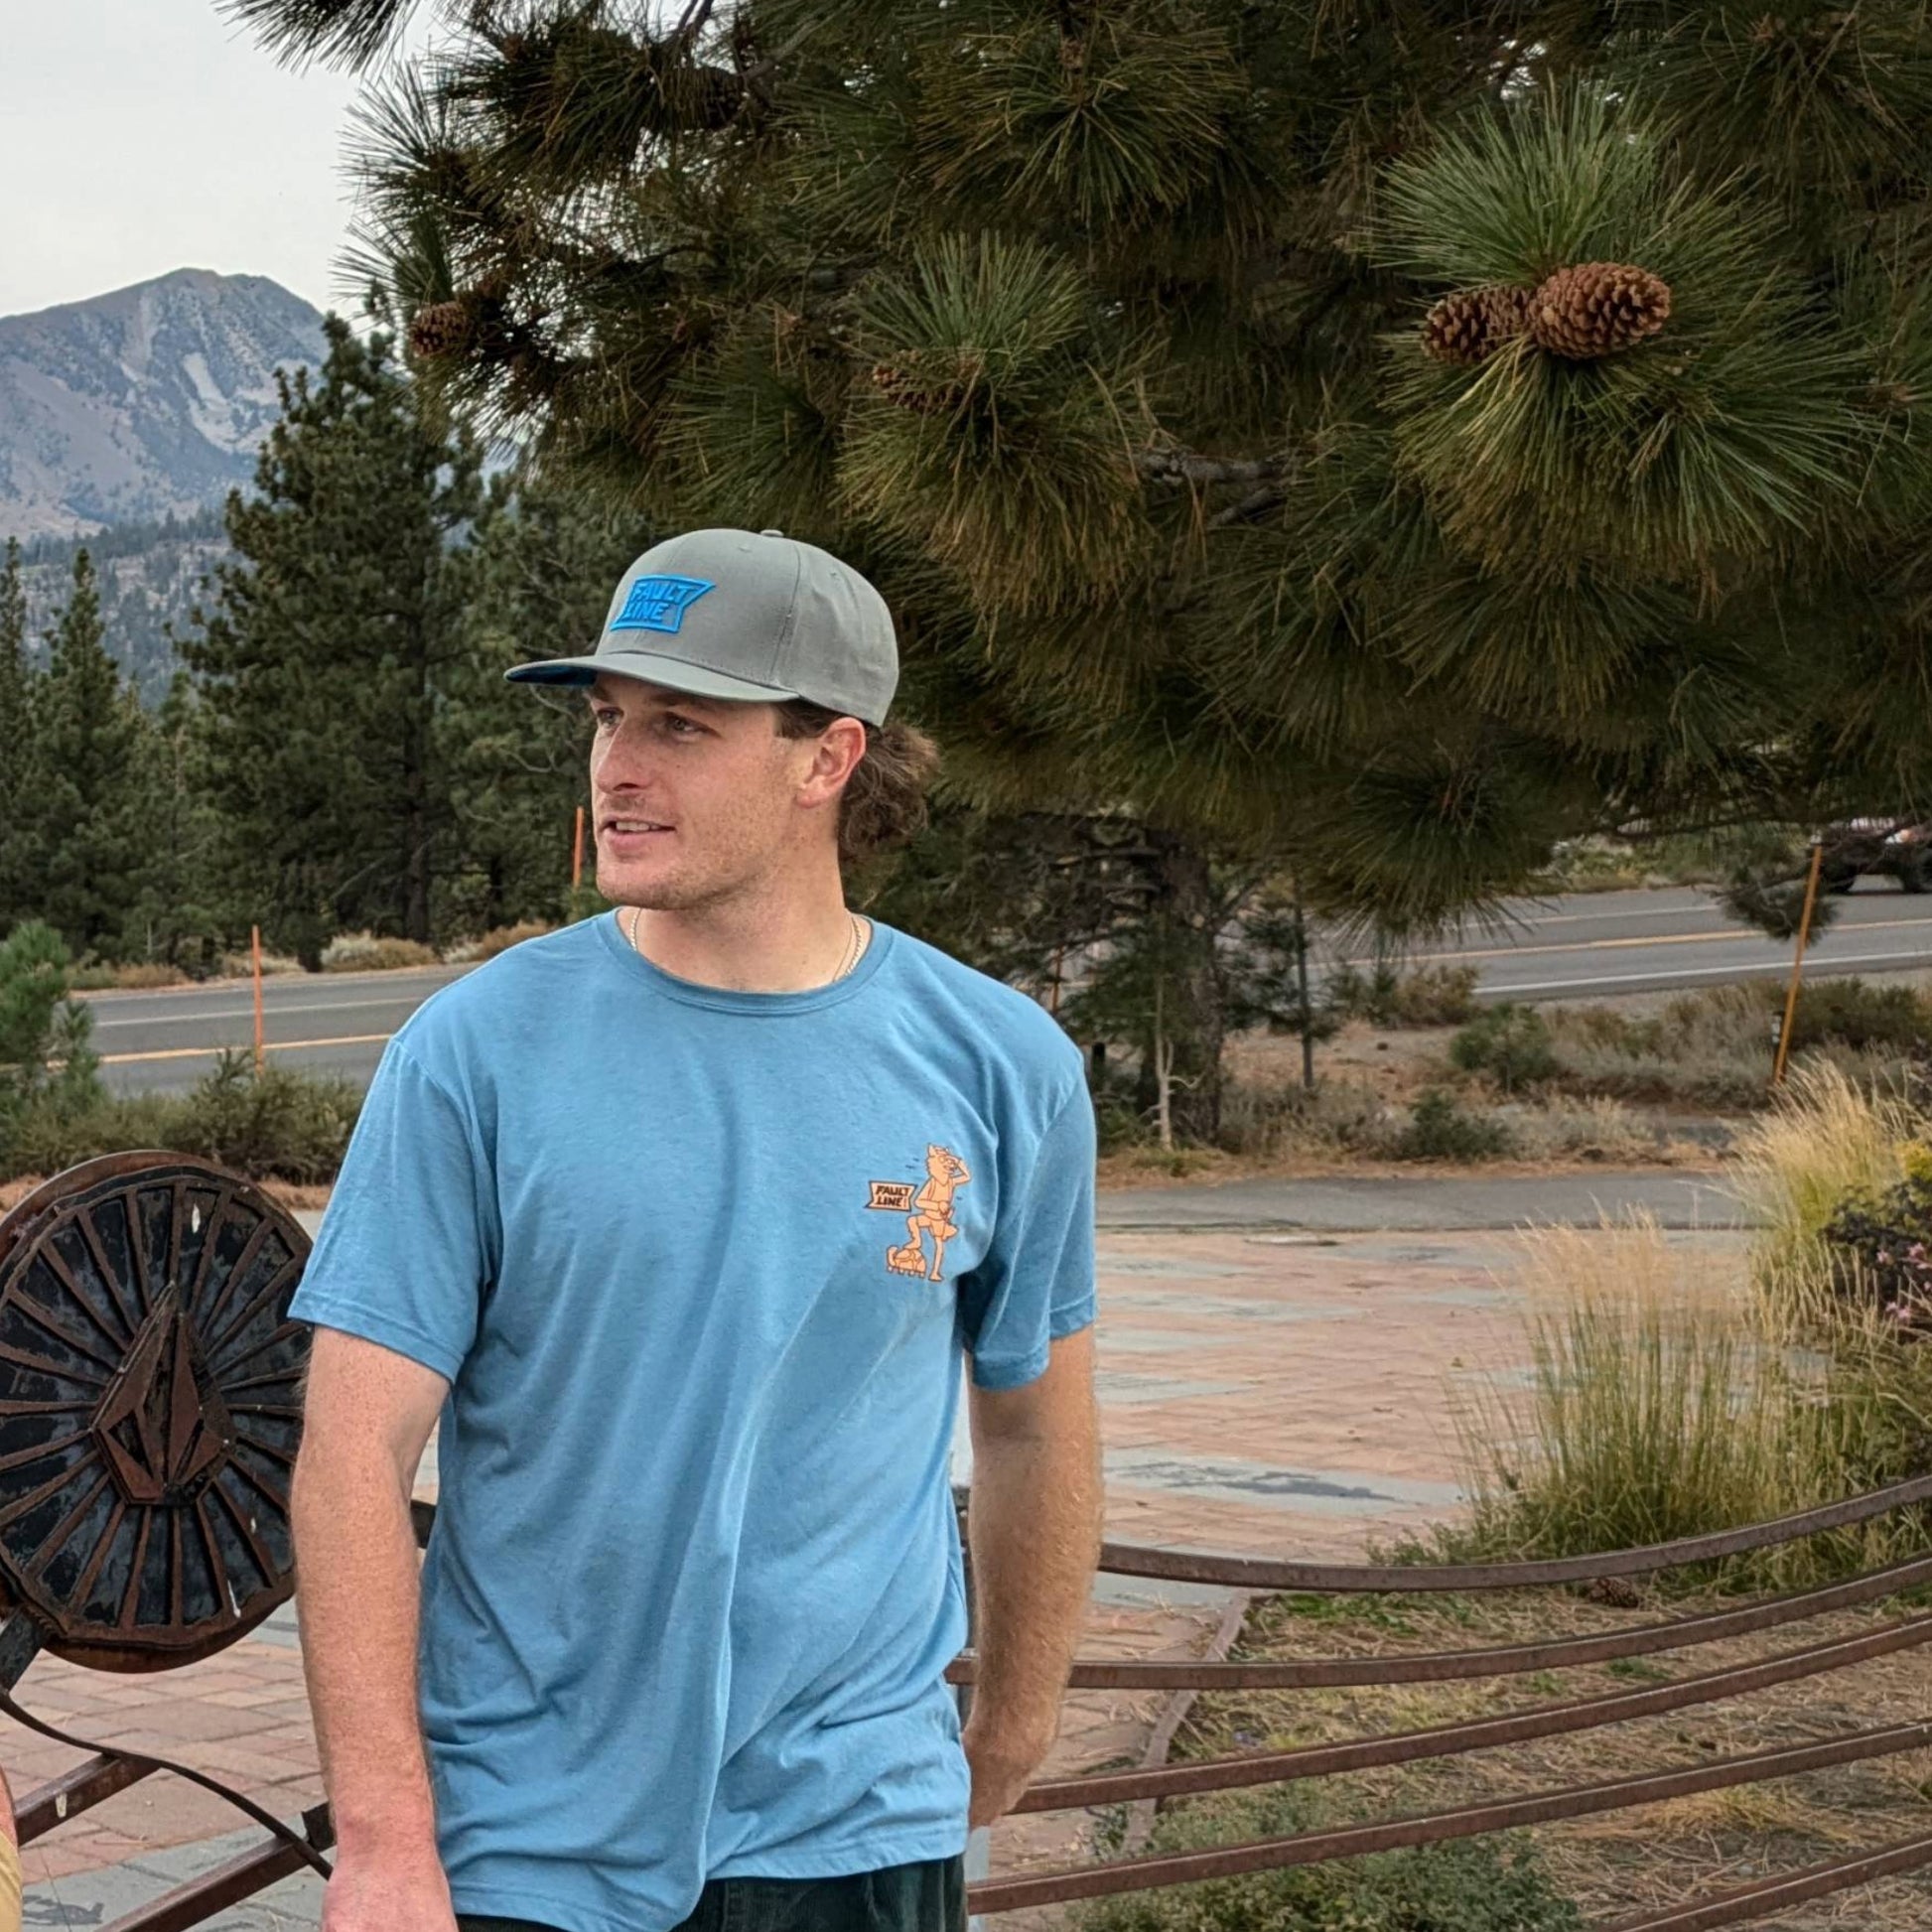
{"x":1477,"y":1885}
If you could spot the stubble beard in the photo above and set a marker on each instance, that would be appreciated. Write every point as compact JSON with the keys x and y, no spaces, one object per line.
{"x":672,"y":894}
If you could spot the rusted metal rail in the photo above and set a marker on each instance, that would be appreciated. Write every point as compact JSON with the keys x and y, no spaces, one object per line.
{"x":1509,"y":1660}
{"x":148,"y":1422}
{"x":1751,"y":1904}
{"x":1478,"y":1734}
{"x":88,"y":1784}
{"x":1435,"y":1828}
{"x":1331,"y":1579}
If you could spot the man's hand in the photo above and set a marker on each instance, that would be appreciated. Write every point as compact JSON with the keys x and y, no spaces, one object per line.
{"x":388,"y":1892}
{"x":1003,"y":1767}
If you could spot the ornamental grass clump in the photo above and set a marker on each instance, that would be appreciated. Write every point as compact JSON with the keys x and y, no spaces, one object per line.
{"x":1659,"y":1404}
{"x":1827,"y":1142}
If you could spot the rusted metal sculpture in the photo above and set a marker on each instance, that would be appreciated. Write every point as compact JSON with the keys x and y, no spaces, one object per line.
{"x":150,"y":1407}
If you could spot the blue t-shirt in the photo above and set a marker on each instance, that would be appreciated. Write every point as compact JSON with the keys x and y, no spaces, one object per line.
{"x":700,"y":1268}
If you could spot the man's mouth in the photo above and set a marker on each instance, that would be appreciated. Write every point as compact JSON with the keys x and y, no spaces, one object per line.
{"x":620,"y":835}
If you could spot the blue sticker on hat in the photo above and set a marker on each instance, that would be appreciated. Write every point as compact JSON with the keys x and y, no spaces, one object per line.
{"x":659,"y":603}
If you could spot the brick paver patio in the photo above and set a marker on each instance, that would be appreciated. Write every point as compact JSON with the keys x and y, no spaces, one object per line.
{"x":1275,"y":1394}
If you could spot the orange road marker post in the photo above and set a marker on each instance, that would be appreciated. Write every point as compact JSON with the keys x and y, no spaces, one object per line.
{"x":255,"y":962}
{"x":1798,"y":964}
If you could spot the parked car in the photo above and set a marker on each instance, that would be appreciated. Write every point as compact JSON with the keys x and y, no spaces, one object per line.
{"x":1898,"y":847}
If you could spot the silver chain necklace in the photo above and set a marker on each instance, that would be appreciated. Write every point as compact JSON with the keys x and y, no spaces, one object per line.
{"x":855,"y":944}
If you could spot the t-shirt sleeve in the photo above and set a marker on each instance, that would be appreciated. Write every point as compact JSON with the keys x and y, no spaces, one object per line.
{"x":408,"y":1240}
{"x":1036,"y":1282}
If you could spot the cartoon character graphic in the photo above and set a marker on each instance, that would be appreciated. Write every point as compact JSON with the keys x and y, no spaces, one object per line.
{"x":932,"y":1212}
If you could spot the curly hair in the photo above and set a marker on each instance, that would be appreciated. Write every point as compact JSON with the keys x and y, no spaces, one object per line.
{"x":884,"y":801}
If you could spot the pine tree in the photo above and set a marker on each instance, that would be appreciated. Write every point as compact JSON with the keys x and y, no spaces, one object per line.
{"x":18,"y":750}
{"x":182,"y":906}
{"x":327,"y":651}
{"x":89,"y":738}
{"x":1378,"y":438}
{"x":542,"y":568}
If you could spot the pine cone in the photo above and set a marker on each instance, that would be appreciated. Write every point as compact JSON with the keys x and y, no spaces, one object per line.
{"x":1596,"y":309}
{"x":1508,"y":310}
{"x":1619,"y":1593}
{"x":1468,"y":325}
{"x":442,"y":329}
{"x":931,"y":383}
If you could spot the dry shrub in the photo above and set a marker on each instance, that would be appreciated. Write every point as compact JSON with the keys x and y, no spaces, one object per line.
{"x":365,"y":952}
{"x":1714,"y":1047}
{"x":1706,"y":1049}
{"x":1340,"y":1118}
{"x":241,"y":965}
{"x":140,"y":976}
{"x":1593,"y":1128}
{"x":496,"y":940}
{"x":1269,"y":1122}
{"x":1425,"y":996}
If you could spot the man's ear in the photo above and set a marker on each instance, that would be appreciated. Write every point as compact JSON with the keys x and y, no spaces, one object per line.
{"x":837,"y":752}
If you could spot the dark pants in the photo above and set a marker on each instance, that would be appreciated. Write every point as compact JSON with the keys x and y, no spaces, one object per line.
{"x":927,"y":1897}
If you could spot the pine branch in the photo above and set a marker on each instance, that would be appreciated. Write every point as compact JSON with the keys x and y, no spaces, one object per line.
{"x":1256,"y":503}
{"x":339,"y":33}
{"x":1184,"y":466}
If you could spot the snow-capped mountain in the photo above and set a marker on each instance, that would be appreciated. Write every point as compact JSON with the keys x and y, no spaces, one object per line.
{"x":145,"y":403}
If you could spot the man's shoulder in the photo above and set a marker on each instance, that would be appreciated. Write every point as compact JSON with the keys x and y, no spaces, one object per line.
{"x":1012,"y":1022}
{"x":493,"y":1003}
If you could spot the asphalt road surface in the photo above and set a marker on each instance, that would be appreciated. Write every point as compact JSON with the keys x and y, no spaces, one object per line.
{"x":332,"y":1022}
{"x":1585,"y":947}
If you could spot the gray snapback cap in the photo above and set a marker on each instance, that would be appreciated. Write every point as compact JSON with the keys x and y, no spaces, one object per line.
{"x":756,"y":617}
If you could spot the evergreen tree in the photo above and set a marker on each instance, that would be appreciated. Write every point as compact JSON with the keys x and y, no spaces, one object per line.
{"x":327,"y":650}
{"x":90,"y":836}
{"x":1377,"y":439}
{"x":47,"y":1055}
{"x":543,"y":567}
{"x":182,"y":906}
{"x":18,"y":751}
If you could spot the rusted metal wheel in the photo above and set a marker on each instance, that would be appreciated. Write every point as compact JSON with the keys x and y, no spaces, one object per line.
{"x":150,"y":1408}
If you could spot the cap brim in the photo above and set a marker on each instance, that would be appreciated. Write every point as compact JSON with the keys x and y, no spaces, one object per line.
{"x":674,"y":673}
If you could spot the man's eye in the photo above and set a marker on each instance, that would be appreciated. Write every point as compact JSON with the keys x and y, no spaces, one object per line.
{"x":607,"y":716}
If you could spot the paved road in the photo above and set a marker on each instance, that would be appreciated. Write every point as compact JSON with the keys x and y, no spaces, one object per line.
{"x":326,"y":1022}
{"x":1594,"y":945}
{"x":1576,"y":947}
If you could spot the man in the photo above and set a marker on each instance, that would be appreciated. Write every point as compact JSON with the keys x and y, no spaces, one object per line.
{"x":632,"y":1208}
{"x":9,"y":1862}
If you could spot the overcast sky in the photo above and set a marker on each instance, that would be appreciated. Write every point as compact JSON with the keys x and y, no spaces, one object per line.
{"x":138,"y":136}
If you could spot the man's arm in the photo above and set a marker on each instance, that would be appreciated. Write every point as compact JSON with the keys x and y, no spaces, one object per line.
{"x":9,"y":1862}
{"x":1034,"y":1525}
{"x":367,"y":1416}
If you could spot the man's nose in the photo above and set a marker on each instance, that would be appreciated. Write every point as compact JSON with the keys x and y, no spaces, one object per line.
{"x":628,"y":761}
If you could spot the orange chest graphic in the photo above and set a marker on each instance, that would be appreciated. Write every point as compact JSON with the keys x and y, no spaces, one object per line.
{"x":928,"y":1207}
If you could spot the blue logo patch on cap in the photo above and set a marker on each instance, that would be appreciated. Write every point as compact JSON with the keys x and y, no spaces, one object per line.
{"x":659,"y":603}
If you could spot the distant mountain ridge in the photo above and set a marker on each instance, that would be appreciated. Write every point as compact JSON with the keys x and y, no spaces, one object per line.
{"x":145,"y":403}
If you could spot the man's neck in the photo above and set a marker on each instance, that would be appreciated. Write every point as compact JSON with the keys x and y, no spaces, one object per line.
{"x":788,"y":941}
